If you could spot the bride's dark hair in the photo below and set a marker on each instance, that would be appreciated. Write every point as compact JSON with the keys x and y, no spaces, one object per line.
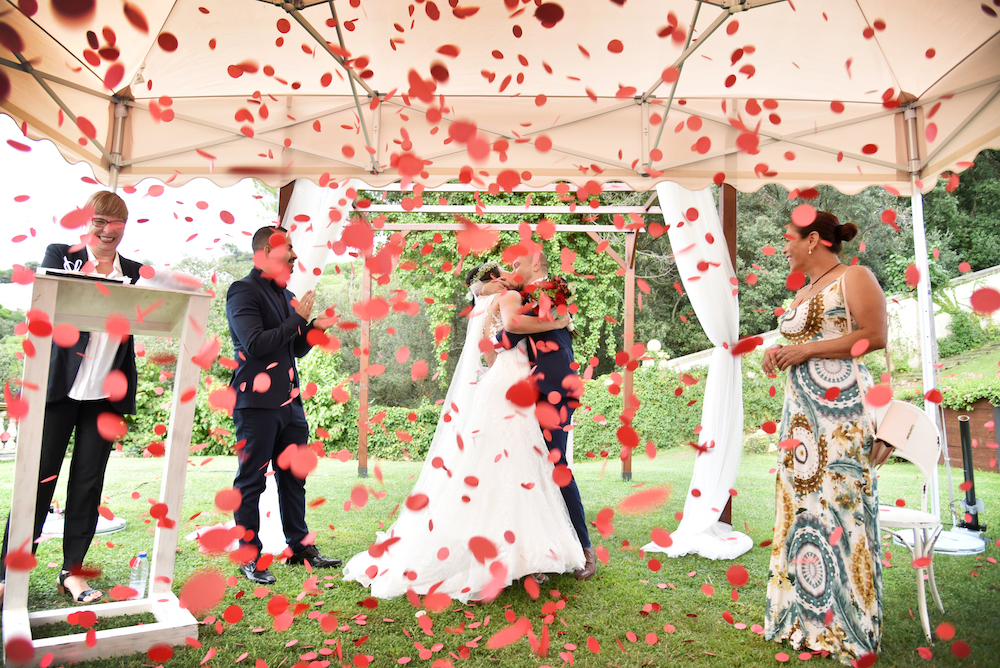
{"x":484,"y":272}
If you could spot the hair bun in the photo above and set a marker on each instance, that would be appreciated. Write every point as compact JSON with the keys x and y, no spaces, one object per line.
{"x":847,"y":231}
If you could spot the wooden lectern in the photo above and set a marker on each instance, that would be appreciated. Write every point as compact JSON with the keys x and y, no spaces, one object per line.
{"x":84,"y":304}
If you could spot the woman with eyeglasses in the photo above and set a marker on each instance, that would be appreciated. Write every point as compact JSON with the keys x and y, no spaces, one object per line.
{"x":77,"y":395}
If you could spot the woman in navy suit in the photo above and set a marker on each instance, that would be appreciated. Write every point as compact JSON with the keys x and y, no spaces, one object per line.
{"x":76,"y":397}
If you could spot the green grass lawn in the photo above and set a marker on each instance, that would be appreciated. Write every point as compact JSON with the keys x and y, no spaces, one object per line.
{"x":983,"y":361}
{"x":688,"y":627}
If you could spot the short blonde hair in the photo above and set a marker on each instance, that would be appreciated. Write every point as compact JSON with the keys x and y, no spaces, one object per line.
{"x":107,"y":203}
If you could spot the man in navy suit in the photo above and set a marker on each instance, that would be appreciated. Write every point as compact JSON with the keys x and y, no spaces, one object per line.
{"x":550,"y":346}
{"x":269,"y":333}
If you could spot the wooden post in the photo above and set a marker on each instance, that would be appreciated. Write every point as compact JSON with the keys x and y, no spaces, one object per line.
{"x":366,"y":329}
{"x":181,"y":315}
{"x":630,"y":239}
{"x":181,"y":423}
{"x":727,"y":215}
{"x":284,"y":197}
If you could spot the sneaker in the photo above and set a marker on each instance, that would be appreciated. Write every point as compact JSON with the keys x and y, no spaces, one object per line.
{"x":260,"y":576}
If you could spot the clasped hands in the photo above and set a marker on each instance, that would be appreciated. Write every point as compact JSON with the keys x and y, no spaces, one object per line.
{"x":779,"y":358}
{"x":304,"y":307}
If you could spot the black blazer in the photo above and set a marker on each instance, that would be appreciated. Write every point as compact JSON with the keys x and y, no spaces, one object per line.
{"x":551,"y":366}
{"x":65,"y":362}
{"x":268,"y":336}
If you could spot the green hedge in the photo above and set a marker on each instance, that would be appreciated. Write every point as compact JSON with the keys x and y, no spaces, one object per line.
{"x":667,"y":419}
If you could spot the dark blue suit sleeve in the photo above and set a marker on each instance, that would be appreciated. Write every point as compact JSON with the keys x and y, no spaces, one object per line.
{"x":243,"y":310}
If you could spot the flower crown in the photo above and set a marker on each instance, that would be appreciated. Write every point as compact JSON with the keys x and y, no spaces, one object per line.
{"x":484,"y":270}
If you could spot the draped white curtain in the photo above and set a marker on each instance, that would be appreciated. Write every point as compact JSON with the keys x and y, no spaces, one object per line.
{"x":711,"y":292}
{"x":328,"y":210}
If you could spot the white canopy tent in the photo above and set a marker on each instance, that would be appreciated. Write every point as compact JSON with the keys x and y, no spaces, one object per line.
{"x":511,"y":93}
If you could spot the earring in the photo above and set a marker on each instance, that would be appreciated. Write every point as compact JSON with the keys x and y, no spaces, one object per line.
{"x":810,"y":251}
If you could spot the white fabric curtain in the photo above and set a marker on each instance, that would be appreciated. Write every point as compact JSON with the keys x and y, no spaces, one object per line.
{"x":713,"y":296}
{"x":328,"y":210}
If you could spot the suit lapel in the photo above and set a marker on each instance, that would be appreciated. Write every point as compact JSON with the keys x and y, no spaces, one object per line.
{"x":273,"y":296}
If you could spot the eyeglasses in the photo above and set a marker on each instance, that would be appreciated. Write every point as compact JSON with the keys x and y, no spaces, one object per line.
{"x":101,"y":223}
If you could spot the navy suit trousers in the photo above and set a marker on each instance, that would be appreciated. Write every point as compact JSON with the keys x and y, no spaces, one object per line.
{"x":571,"y":493}
{"x":267,"y":432}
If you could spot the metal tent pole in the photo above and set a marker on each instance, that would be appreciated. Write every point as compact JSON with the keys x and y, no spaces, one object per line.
{"x":925,"y":305}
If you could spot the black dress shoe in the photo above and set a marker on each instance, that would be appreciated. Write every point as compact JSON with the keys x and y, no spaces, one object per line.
{"x":258,"y":575}
{"x":315,"y":559}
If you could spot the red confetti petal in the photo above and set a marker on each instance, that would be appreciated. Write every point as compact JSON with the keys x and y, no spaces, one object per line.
{"x":795,"y":280}
{"x":803,"y":215}
{"x":644,"y":501}
{"x":985,"y":300}
{"x":202,"y":591}
{"x":880,"y":395}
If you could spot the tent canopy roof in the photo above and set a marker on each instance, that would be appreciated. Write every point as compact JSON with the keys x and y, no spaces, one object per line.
{"x":226,"y":89}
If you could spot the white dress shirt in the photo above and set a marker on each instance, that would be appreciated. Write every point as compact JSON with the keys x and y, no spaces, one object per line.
{"x":100,"y":354}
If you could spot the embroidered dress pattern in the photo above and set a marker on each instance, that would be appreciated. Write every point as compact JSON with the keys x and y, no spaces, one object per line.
{"x":824,"y":588}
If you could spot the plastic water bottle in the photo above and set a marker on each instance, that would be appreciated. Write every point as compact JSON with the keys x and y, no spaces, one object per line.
{"x":139,"y":575}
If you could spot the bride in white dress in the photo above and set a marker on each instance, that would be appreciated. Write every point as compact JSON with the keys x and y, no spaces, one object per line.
{"x":485,"y":510}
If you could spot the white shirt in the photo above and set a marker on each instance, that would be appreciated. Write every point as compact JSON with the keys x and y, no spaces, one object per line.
{"x":100,"y":354}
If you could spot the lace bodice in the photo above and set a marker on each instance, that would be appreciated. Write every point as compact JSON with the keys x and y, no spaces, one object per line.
{"x":493,"y":324}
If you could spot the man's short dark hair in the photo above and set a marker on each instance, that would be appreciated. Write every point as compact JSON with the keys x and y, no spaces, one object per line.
{"x":262,"y":237}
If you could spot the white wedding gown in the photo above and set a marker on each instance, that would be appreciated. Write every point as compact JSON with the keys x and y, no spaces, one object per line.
{"x":494,"y":484}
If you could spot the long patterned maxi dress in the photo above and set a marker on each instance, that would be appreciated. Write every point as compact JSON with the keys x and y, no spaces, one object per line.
{"x":824,"y":589}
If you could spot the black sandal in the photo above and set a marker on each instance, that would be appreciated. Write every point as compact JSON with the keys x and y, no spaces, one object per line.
{"x":82,"y":598}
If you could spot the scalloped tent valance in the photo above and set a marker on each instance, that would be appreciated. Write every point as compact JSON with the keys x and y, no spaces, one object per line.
{"x":760,"y":91}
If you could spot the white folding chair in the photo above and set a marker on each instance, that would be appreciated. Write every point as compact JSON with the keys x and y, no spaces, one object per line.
{"x":923,"y":448}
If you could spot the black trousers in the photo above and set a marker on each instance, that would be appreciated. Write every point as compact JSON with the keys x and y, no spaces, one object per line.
{"x":267,"y":432}
{"x":86,"y":474}
{"x":570,"y":493}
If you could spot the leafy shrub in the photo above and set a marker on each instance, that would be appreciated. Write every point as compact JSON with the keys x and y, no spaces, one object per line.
{"x":666,"y":417}
{"x":759,"y":444}
{"x":966,"y":334}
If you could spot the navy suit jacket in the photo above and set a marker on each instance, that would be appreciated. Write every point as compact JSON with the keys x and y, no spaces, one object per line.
{"x":64,"y":363}
{"x":551,"y":366}
{"x":268,"y":336}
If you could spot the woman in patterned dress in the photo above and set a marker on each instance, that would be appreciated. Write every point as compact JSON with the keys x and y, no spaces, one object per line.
{"x":824,"y":590}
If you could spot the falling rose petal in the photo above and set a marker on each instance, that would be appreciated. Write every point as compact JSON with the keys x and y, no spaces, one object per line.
{"x":985,"y":300}
{"x":945,"y":631}
{"x":769,"y":427}
{"x":482,"y":549}
{"x":961,"y":649}
{"x":707,"y":589}
{"x":202,"y":591}
{"x":167,"y":41}
{"x":111,"y":426}
{"x":228,"y":500}
{"x":795,"y":280}
{"x":880,"y":395}
{"x":114,"y":76}
{"x":835,"y":535}
{"x":804,"y":215}
{"x":737,"y":575}
{"x":661,"y":537}
{"x":562,"y":475}
{"x":115,"y":384}
{"x":934,"y":396}
{"x":160,"y":653}
{"x":912,"y":275}
{"x":832,"y":393}
{"x":359,"y":495}
{"x":644,"y":501}
{"x":19,"y":650}
{"x":860,"y":347}
{"x":417,"y":501}
{"x":549,"y":14}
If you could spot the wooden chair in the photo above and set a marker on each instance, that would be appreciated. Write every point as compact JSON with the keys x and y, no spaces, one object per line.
{"x":923,"y":448}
